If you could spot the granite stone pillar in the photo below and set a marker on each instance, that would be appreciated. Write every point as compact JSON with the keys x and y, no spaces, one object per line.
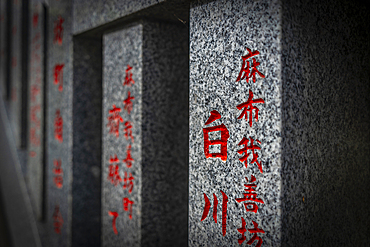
{"x":87,"y":141}
{"x":16,"y":92}
{"x":36,"y":99}
{"x":279,"y":131}
{"x":3,"y":46}
{"x":144,"y":158}
{"x":59,"y":123}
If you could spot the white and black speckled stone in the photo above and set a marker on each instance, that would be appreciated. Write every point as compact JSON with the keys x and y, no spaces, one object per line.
{"x":158,"y":54}
{"x":3,"y":45}
{"x":220,"y":32}
{"x":325,"y":120}
{"x":314,"y":125}
{"x":35,"y":170}
{"x":87,"y":138}
{"x":90,"y":14}
{"x":120,"y":49}
{"x":15,"y":101}
{"x":59,"y":100}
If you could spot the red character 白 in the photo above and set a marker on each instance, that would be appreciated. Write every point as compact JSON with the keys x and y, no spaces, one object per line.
{"x":223,"y":141}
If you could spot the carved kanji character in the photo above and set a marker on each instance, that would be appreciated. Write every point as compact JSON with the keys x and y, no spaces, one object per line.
{"x":244,"y":151}
{"x":128,"y":103}
{"x":113,"y":175}
{"x":254,"y":230}
{"x":248,"y":107}
{"x":58,"y":30}
{"x":128,"y":131}
{"x":223,"y":141}
{"x":58,"y":173}
{"x":127,"y":206}
{"x":207,"y":206}
{"x":114,"y":119}
{"x":58,"y":220}
{"x":35,"y":19}
{"x":128,"y":160}
{"x":128,"y":182}
{"x":128,"y":77}
{"x":250,"y":196}
{"x":58,"y":76}
{"x":245,"y":69}
{"x":58,"y":126}
{"x":115,"y":215}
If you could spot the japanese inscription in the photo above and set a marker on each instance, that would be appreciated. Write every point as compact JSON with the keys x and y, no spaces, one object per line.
{"x":249,"y":147}
{"x":120,"y":166}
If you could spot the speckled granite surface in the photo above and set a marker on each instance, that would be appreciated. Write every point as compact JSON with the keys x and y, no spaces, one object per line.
{"x":165,"y":134}
{"x":35,"y":170}
{"x":87,"y":136}
{"x":3,"y":41}
{"x":15,"y":103}
{"x":59,"y":104}
{"x":157,"y":53}
{"x":89,"y":14}
{"x":120,"y":49}
{"x":326,"y":136}
{"x":313,"y":126}
{"x":220,"y":32}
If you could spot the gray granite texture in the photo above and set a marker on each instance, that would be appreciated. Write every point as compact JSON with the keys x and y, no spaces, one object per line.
{"x":165,"y":134}
{"x":87,"y":140}
{"x":220,"y":33}
{"x":89,"y":14}
{"x":96,"y":17}
{"x":35,"y":162}
{"x":120,"y":49}
{"x":3,"y":45}
{"x":59,"y":103}
{"x":325,"y":120}
{"x":15,"y":103}
{"x":158,"y":55}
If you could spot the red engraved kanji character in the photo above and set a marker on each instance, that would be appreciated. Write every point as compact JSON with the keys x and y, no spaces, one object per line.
{"x":58,"y":126}
{"x":128,"y":160}
{"x":128,"y":103}
{"x":128,"y":77}
{"x":58,"y":30}
{"x":128,"y":131}
{"x":34,"y":138}
{"x":35,"y":19}
{"x":114,"y":119}
{"x":246,"y":69}
{"x":35,"y":90}
{"x":207,"y":206}
{"x":58,"y":76}
{"x":34,"y":118}
{"x":250,"y":196}
{"x":244,"y":150}
{"x":223,"y":141}
{"x":113,"y":175}
{"x":129,"y":185}
{"x":14,"y":30}
{"x":14,"y":62}
{"x":254,"y":230}
{"x":249,"y":107}
{"x":127,"y":206}
{"x":58,"y":171}
{"x":115,"y":215}
{"x":58,"y":220}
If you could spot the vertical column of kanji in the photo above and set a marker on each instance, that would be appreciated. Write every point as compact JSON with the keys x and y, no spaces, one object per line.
{"x":35,"y":108}
{"x":121,"y":165}
{"x":16,"y":71}
{"x":3,"y":19}
{"x":235,"y":123}
{"x":59,"y":120}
